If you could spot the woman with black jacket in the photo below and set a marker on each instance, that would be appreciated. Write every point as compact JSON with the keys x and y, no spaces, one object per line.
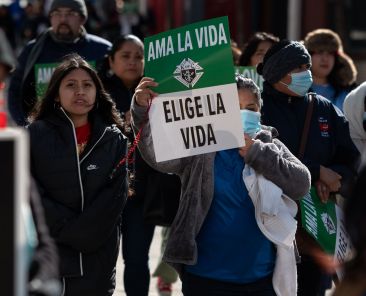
{"x":120,"y":73}
{"x":76,"y":146}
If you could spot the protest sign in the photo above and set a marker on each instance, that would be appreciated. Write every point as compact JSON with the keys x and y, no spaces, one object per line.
{"x":325,"y":223}
{"x":43,"y":73}
{"x":197,"y":110}
{"x":250,"y":72}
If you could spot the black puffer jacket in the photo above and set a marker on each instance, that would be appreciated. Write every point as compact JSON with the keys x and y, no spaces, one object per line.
{"x":82,"y":205}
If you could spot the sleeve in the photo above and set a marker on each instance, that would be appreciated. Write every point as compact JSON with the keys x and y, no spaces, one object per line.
{"x":56,"y":214}
{"x":141,"y":124}
{"x":15,"y":99}
{"x":43,"y":271}
{"x":346,"y":156}
{"x":277,"y":164}
{"x":105,"y":211}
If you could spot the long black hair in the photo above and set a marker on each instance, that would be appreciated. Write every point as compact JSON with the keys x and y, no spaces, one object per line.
{"x":104,"y":105}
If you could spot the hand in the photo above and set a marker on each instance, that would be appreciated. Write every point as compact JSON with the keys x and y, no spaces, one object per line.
{"x":323,"y":191}
{"x":325,"y":261}
{"x":128,"y":117}
{"x":330,"y":178}
{"x":248,"y":143}
{"x":143,"y":93}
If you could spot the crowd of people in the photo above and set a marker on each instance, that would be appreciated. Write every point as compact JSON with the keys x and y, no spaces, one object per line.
{"x":83,"y":98}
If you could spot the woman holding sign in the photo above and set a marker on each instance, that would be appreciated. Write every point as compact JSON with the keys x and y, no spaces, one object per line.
{"x":218,"y":241}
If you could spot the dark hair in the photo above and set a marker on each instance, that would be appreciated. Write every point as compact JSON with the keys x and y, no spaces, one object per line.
{"x":117,"y":44}
{"x":104,"y":106}
{"x":243,"y":82}
{"x":251,"y":46}
{"x":119,"y":41}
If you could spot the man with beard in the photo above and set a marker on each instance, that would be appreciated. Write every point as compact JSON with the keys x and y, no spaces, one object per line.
{"x":40,"y":56}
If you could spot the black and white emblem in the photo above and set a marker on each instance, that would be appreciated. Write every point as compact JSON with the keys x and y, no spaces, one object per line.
{"x":187,"y":72}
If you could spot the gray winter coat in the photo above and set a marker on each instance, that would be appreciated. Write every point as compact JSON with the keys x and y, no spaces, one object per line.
{"x":267,"y":156}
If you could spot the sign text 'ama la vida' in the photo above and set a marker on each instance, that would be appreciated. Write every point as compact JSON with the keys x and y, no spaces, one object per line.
{"x":206,"y":36}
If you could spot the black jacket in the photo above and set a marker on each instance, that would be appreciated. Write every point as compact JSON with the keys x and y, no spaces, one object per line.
{"x":328,"y":143}
{"x":82,"y":204}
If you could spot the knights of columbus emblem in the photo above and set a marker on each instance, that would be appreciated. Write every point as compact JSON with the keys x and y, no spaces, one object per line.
{"x":328,"y":223}
{"x":187,"y":72}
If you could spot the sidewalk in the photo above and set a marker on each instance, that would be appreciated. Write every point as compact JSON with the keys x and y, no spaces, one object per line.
{"x":154,"y":257}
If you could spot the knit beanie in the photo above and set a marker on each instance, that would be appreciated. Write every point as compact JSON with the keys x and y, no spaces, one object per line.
{"x":323,"y":40}
{"x":281,"y":59}
{"x":76,"y":5}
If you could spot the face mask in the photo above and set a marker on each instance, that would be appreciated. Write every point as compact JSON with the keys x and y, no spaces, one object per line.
{"x":250,"y":121}
{"x":300,"y":82}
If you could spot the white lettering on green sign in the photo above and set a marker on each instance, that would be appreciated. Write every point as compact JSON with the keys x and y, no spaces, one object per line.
{"x":206,"y":36}
{"x":44,"y":74}
{"x":310,"y":215}
{"x":187,"y":45}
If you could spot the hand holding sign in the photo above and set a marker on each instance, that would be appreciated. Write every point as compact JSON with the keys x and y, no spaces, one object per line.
{"x":143,"y":93}
{"x":197,"y":110}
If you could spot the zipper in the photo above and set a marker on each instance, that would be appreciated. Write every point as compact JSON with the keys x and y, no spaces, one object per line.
{"x":96,"y":143}
{"x":63,"y":287}
{"x":80,"y":183}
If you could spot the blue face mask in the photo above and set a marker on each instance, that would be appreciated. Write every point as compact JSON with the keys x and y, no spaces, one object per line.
{"x":250,"y":121}
{"x":300,"y":82}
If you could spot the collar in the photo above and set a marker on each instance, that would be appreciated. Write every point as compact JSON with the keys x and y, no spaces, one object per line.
{"x":76,"y":40}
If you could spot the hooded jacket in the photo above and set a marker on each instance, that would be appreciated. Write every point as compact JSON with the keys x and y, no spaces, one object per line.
{"x":82,"y":204}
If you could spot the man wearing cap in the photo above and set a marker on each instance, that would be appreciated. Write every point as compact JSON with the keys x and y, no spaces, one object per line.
{"x":40,"y":56}
{"x":328,"y":151}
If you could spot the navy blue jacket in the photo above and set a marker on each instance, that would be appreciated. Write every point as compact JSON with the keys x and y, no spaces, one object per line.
{"x":328,"y":143}
{"x":22,"y":90}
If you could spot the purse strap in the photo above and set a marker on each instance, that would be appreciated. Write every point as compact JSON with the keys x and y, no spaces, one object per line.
{"x":305,"y":131}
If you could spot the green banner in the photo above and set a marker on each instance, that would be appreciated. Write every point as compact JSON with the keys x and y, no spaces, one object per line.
{"x":197,"y":110}
{"x":251,"y":72}
{"x":43,"y":73}
{"x":320,"y":220}
{"x":190,"y":57}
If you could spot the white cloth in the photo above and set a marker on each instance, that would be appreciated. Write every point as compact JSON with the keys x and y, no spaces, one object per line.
{"x":274,"y":213}
{"x":354,"y":108}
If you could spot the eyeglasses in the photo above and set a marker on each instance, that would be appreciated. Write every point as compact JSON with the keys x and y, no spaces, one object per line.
{"x":69,"y":14}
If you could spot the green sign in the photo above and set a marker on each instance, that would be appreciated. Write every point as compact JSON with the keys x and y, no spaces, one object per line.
{"x":43,"y":73}
{"x":197,"y":110}
{"x":319,"y":220}
{"x":198,"y":55}
{"x":251,"y":72}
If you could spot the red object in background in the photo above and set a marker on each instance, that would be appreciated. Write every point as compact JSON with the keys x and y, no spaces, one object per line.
{"x":3,"y":115}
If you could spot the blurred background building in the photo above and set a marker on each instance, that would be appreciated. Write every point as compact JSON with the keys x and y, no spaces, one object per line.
{"x":24,"y":19}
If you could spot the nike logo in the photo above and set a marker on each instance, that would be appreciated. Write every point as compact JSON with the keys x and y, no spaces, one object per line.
{"x":91,"y":167}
